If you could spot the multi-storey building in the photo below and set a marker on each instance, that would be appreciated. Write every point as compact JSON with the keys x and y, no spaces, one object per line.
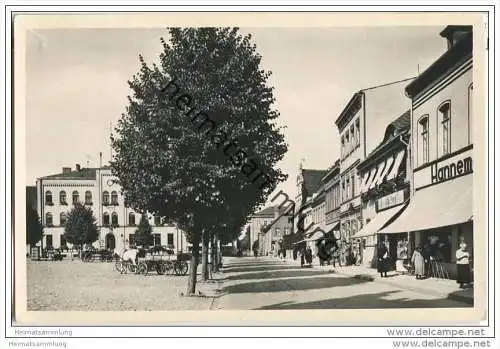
{"x":361,"y":125}
{"x":269,"y":226}
{"x":97,"y":189}
{"x":384,"y":190}
{"x":332,"y":199}
{"x":440,"y":213}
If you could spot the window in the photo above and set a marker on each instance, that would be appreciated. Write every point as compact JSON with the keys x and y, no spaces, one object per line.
{"x":157,"y":220}
{"x":114,"y":219}
{"x":348,"y":188}
{"x":170,"y":239}
{"x":357,"y":132}
{"x":277,"y":232}
{"x":445,"y":117}
{"x":353,"y":185}
{"x":265,"y":223}
{"x":48,"y":241}
{"x":62,"y":240}
{"x":343,"y":190}
{"x":48,"y":198}
{"x":285,"y":231}
{"x":471,"y":99}
{"x":88,"y":197}
{"x":156,"y":239}
{"x":353,"y":139}
{"x":76,"y":197}
{"x":347,"y":143}
{"x":62,"y":198}
{"x":49,"y":219}
{"x":424,"y":139}
{"x":105,"y":219}
{"x":131,"y":240}
{"x":342,"y":147}
{"x":62,"y":218}
{"x":114,"y":198}
{"x":131,"y":219}
{"x":105,"y":198}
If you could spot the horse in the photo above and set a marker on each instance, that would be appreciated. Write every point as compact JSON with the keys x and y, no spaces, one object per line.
{"x":127,"y":254}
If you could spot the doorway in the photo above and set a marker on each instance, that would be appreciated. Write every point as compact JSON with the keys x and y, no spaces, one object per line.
{"x":110,"y":241}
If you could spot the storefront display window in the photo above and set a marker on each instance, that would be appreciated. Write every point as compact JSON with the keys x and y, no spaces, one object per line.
{"x":437,"y":244}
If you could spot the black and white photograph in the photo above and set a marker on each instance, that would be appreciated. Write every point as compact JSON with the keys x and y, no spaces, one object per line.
{"x":241,"y":167}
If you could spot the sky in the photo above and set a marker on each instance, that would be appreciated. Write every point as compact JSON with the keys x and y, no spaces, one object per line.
{"x":76,"y":86}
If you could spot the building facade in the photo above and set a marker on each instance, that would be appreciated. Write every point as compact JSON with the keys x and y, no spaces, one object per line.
{"x":97,"y":189}
{"x":440,"y":213}
{"x":269,"y":226}
{"x":332,"y":199}
{"x":361,"y":125}
{"x":385,"y":189}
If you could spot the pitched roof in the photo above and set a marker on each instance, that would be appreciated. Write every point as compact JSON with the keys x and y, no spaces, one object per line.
{"x":268,"y":211}
{"x":312,"y":180}
{"x":83,"y":173}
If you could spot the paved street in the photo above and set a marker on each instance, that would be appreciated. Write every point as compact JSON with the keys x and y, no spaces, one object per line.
{"x":74,"y":285}
{"x":266,"y":283}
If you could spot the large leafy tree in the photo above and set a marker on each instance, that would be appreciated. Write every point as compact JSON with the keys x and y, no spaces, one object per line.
{"x":34,"y":229}
{"x":198,"y":142}
{"x":80,"y":227}
{"x":143,"y":233}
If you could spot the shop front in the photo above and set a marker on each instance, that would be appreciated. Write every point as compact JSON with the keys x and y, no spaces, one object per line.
{"x":439,"y":216}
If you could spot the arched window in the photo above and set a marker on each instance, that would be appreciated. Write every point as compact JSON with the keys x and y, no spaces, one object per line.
{"x":131,"y":219}
{"x":423,"y":143}
{"x":444,"y":112}
{"x":62,"y":198}
{"x":105,"y":219}
{"x":48,"y":198}
{"x":114,"y":219}
{"x":114,"y":198}
{"x":88,"y":197}
{"x":76,"y":197}
{"x":62,"y":219}
{"x":49,"y":219}
{"x":105,"y":198}
{"x":471,"y":99}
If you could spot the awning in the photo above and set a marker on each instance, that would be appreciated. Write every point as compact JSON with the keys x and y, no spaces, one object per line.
{"x":378,"y":222}
{"x":440,"y":205}
{"x":336,"y":226}
{"x":317,"y":235}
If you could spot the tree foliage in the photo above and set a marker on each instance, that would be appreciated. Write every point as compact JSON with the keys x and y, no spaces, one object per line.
{"x":170,"y":164}
{"x":80,"y":227}
{"x":34,"y":229}
{"x":143,"y":233}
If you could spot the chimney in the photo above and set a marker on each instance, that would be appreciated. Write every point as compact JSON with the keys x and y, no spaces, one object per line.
{"x":77,"y":167}
{"x":66,"y":170}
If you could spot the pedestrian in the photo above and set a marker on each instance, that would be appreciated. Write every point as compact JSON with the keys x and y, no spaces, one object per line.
{"x":418,"y":261}
{"x":294,"y":253}
{"x":308,"y":256}
{"x":463,"y":265}
{"x":302,"y":257}
{"x":382,"y":260}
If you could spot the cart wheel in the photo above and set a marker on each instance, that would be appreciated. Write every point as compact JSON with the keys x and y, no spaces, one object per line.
{"x":142,"y":268}
{"x":181,"y":268}
{"x":119,"y":266}
{"x":131,"y":267}
{"x":161,"y":268}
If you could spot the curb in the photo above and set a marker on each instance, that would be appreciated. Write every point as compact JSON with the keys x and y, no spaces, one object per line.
{"x":450,"y":296}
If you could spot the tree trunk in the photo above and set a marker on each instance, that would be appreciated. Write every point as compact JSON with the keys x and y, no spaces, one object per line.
{"x":204,"y":256}
{"x":193,"y":269}
{"x":215,"y":259}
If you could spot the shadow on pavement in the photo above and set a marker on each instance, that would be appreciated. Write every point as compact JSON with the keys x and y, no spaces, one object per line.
{"x":291,"y":284}
{"x":278,"y":273}
{"x":269,"y":268}
{"x":366,"y":301}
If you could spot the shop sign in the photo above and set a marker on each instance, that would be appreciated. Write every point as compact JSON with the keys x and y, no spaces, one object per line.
{"x":449,"y":171}
{"x":460,"y":164}
{"x":391,"y":200}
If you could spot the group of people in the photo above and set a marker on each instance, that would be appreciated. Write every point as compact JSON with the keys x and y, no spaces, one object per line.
{"x":420,"y":261}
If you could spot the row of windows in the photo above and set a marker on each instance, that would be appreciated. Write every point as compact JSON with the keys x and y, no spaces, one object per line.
{"x":333,"y":200}
{"x":318,"y":213}
{"x":350,"y":139}
{"x":156,"y":240}
{"x":49,"y":219}
{"x":443,"y":133}
{"x":350,"y":187}
{"x":76,"y":198}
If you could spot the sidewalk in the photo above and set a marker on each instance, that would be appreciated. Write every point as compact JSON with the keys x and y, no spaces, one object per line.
{"x":432,"y":286}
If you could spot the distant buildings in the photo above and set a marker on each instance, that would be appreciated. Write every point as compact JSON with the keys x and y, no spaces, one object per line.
{"x":97,"y":189}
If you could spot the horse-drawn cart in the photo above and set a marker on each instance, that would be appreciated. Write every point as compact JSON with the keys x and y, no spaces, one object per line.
{"x":158,"y":259}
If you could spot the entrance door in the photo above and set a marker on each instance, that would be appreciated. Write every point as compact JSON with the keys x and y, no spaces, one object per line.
{"x":110,"y":241}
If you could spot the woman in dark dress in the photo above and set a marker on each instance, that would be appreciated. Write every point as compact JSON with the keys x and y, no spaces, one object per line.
{"x":382,"y":259}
